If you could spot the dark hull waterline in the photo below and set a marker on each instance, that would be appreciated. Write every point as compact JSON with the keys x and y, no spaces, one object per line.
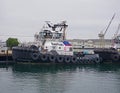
{"x":28,"y":55}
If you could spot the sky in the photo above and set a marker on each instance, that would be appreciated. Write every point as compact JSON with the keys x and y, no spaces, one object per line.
{"x":85,"y":18}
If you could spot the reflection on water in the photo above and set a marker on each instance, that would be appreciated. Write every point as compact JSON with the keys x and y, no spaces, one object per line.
{"x":52,"y":68}
{"x":31,"y":78}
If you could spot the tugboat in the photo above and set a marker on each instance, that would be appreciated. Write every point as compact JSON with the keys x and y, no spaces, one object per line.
{"x":51,"y":46}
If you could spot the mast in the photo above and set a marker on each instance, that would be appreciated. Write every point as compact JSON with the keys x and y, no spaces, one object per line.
{"x":64,"y":29}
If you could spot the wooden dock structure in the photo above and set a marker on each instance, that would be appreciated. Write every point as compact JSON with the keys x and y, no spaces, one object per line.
{"x":6,"y":59}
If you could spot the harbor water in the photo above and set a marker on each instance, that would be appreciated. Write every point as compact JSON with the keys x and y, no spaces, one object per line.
{"x":49,"y":78}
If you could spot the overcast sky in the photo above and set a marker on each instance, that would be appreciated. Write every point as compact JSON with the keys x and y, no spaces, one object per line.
{"x":85,"y":18}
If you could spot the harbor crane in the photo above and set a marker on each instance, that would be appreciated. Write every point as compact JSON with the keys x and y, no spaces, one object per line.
{"x":101,"y":35}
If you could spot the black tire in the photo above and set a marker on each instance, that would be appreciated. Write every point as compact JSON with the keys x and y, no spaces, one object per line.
{"x":115,"y":58}
{"x":67,"y":59}
{"x":44,"y":57}
{"x":52,"y":58}
{"x":84,"y":60}
{"x":97,"y":60}
{"x":33,"y":47}
{"x":90,"y":60}
{"x":35,"y":56}
{"x":60,"y":59}
{"x":74,"y":59}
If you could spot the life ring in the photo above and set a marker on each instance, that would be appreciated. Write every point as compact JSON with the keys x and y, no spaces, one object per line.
{"x":60,"y":59}
{"x":67,"y":59}
{"x":34,"y":56}
{"x":74,"y":59}
{"x":115,"y":57}
{"x":44,"y":57}
{"x":52,"y":58}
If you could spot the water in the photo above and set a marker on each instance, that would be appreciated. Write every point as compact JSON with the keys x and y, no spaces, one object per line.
{"x":31,"y":78}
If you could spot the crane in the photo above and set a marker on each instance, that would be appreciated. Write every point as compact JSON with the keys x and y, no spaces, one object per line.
{"x":101,"y":35}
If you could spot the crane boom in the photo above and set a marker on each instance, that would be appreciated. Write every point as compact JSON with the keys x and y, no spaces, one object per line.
{"x":109,"y":24}
{"x":102,"y":35}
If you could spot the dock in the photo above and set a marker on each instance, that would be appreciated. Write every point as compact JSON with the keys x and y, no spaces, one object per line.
{"x":6,"y":59}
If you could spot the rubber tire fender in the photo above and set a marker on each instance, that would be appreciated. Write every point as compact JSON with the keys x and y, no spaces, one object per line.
{"x":74,"y":59}
{"x":67,"y":59}
{"x":115,"y":57}
{"x":97,"y":60}
{"x":44,"y":57}
{"x":60,"y":58}
{"x":52,"y":58}
{"x":35,"y":56}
